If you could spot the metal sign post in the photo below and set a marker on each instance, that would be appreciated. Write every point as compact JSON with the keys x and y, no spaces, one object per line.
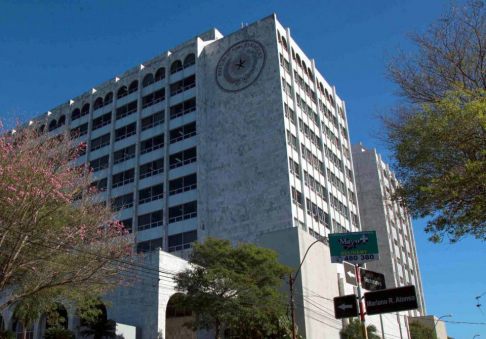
{"x":364,"y":333}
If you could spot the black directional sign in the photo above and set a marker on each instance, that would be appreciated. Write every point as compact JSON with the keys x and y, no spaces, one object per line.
{"x":350,"y":273}
{"x":391,"y":300}
{"x":346,"y":306}
{"x":372,"y":281}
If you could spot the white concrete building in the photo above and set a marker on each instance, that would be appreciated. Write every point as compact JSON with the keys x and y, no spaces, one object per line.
{"x":398,"y":254}
{"x":237,"y":137}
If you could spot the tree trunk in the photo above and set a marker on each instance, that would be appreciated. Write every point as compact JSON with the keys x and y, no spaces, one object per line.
{"x":217,"y":326}
{"x":24,"y":330}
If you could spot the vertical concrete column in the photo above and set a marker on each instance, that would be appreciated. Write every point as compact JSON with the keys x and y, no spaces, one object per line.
{"x":112,"y":140}
{"x":165,"y":240}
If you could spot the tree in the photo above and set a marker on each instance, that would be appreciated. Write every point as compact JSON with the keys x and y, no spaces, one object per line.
{"x":353,"y":331}
{"x":437,"y":131}
{"x":99,"y":328}
{"x":420,"y":331}
{"x":57,"y":240}
{"x":58,"y":332}
{"x":233,"y":287}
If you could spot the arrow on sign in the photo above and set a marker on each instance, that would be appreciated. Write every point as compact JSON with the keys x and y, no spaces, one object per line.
{"x":352,"y":275}
{"x":344,"y":306}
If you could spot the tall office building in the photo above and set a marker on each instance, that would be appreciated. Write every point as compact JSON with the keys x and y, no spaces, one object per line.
{"x":398,"y":255}
{"x":237,"y":137}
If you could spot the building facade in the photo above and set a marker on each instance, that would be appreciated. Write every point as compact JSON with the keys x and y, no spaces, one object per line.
{"x":376,"y":185}
{"x":237,"y":137}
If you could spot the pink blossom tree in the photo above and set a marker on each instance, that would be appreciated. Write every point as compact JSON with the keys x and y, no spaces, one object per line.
{"x":58,"y":239}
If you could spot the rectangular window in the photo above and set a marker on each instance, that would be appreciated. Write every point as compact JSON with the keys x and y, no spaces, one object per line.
{"x":153,"y":98}
{"x":183,"y":212}
{"x":183,"y":184}
{"x":124,"y":201}
{"x":183,"y":108}
{"x":151,"y":194}
{"x":100,"y":142}
{"x":100,"y":185}
{"x":183,"y":132}
{"x":297,"y":197}
{"x":149,"y":246}
{"x":152,"y":144}
{"x":153,"y":120}
{"x":124,"y":154}
{"x":182,"y":158}
{"x":150,"y":220}
{"x":291,"y":139}
{"x":126,"y":110}
{"x":182,"y":241}
{"x":99,"y":164}
{"x":127,"y":224}
{"x":183,"y":85}
{"x":152,"y":168}
{"x":101,"y":121}
{"x":126,"y":131}
{"x":123,"y":178}
{"x":79,"y":131}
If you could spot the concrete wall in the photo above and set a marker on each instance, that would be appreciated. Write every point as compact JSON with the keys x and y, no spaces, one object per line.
{"x":242,"y":160}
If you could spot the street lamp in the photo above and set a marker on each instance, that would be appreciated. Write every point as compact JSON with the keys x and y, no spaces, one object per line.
{"x":444,"y":316}
{"x":476,"y":335}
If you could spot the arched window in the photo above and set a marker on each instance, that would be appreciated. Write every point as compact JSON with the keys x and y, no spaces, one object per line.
{"x":327,"y":94}
{"x":332,"y":100}
{"x":133,"y":87}
{"x":108,"y":98}
{"x":98,"y":103}
{"x":304,"y":67}
{"x":85,"y":109}
{"x":279,"y":37}
{"x":321,"y":87}
{"x":62,"y":121}
{"x":299,"y":62}
{"x":175,"y":67}
{"x":19,"y":331}
{"x":52,"y":125}
{"x":189,"y":60}
{"x":76,"y":114}
{"x":123,"y":91}
{"x":284,"y":43}
{"x":309,"y":71}
{"x":2,"y":323}
{"x":42,"y":129}
{"x":160,"y":74}
{"x":293,"y":54}
{"x":60,"y":319}
{"x":148,"y":80}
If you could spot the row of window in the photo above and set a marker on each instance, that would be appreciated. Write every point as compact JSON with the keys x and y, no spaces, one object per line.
{"x":328,"y":113}
{"x":310,"y":157}
{"x":334,"y":179}
{"x":310,"y":134}
{"x":338,"y":205}
{"x":307,"y":109}
{"x":177,"y":242}
{"x":289,"y":113}
{"x":314,"y":185}
{"x":333,"y":158}
{"x":317,"y":212}
{"x":305,"y":87}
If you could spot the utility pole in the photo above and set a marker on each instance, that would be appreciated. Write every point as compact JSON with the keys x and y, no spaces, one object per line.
{"x":292,"y":306}
{"x":364,"y":333}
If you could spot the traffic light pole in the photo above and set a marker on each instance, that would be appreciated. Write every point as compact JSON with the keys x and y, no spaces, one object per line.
{"x":364,"y":333}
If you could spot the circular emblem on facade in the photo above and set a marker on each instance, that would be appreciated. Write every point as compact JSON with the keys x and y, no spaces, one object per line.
{"x":240,"y":66}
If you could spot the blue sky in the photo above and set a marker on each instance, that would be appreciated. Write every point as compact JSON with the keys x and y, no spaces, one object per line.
{"x":56,"y":50}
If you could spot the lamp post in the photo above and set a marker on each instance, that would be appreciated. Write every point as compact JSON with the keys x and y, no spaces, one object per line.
{"x":444,"y":316}
{"x":476,"y":335}
{"x":291,"y":283}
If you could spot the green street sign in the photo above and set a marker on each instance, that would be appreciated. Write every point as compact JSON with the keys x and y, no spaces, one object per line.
{"x":355,"y":247}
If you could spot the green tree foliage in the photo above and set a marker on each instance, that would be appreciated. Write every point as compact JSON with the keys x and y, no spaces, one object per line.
{"x":437,"y":131}
{"x":6,"y":334}
{"x":58,"y":332}
{"x":99,"y":327}
{"x":233,"y":287}
{"x":353,"y":331}
{"x":420,"y":331}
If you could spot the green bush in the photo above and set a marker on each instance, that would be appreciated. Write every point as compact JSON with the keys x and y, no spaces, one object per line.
{"x":5,"y":334}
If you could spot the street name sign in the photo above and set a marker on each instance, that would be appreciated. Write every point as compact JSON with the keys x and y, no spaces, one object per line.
{"x":354,"y":247}
{"x":372,"y":281}
{"x":346,"y":306}
{"x":391,"y":300}
{"x":350,"y":273}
